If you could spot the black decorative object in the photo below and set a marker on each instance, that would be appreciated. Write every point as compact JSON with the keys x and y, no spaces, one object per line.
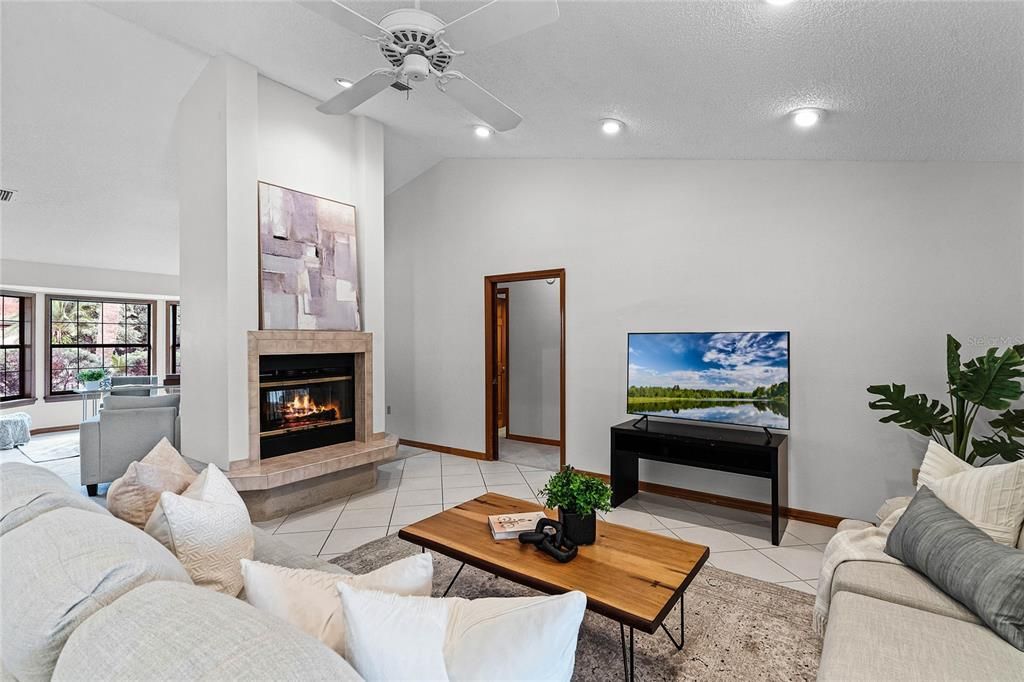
{"x":580,"y":529}
{"x":550,"y":538}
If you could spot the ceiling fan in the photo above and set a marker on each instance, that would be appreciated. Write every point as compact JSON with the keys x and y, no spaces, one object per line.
{"x":418,"y":45}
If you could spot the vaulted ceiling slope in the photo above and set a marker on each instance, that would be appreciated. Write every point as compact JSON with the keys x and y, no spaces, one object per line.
{"x":90,"y":92}
{"x":693,"y":80}
{"x":88,"y":107}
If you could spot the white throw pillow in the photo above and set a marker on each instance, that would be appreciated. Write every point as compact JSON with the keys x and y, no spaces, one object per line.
{"x":308,"y":599}
{"x":207,"y":527}
{"x":991,"y":497}
{"x":390,"y":637}
{"x":939,"y":463}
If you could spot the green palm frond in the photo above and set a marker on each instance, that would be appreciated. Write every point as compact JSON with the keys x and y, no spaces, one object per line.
{"x":915,"y":412}
{"x":992,"y":380}
{"x":1001,"y":446}
{"x":1010,"y":422}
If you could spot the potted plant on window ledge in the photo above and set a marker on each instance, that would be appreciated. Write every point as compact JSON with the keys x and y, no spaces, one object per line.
{"x":92,"y":378}
{"x":578,"y":498}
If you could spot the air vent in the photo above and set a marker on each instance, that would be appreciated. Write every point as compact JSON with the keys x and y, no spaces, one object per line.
{"x":6,"y":194}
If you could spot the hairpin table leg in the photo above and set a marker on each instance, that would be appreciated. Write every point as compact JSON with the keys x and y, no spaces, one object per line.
{"x":454,"y":578}
{"x":627,"y":660}
{"x":682,"y":631}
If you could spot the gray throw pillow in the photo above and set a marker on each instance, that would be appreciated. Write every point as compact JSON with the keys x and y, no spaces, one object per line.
{"x":964,"y":562}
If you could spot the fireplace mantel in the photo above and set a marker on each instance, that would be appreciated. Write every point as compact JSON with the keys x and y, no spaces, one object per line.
{"x":297,"y":480}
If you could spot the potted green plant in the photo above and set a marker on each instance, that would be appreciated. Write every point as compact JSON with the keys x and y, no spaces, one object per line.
{"x":578,"y":498}
{"x":991,"y":382}
{"x":92,"y":378}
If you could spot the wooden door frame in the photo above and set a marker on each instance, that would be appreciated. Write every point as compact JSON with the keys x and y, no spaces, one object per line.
{"x":491,"y":283}
{"x":508,"y":314}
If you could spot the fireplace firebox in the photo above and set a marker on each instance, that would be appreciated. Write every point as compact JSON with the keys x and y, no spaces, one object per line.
{"x":306,"y":401}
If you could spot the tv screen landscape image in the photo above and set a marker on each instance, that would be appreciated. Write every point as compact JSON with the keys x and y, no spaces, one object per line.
{"x":725,"y":377}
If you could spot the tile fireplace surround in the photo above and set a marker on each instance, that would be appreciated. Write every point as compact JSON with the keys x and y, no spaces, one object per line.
{"x":287,"y":483}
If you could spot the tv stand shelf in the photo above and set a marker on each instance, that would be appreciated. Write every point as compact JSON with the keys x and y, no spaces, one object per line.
{"x":750,"y":453}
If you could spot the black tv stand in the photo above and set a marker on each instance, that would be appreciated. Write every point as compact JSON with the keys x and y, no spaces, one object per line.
{"x":707,"y":447}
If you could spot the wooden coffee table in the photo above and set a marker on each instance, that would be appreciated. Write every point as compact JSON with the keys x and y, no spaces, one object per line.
{"x":628,"y":575}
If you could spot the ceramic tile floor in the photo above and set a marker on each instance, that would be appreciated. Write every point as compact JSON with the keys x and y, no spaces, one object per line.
{"x":420,"y":483}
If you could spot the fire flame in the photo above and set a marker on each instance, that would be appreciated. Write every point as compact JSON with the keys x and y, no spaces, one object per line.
{"x":302,"y":406}
{"x":299,"y":407}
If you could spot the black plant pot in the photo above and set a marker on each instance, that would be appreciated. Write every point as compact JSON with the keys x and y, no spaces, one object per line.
{"x":580,"y":529}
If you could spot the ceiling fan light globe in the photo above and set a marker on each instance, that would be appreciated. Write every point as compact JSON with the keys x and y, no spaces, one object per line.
{"x":415,"y":67}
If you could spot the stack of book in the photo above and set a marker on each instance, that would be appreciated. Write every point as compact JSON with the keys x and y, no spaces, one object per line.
{"x":509,"y":526}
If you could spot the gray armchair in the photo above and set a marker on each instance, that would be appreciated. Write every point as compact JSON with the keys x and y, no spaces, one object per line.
{"x":124,"y":431}
{"x":115,"y":382}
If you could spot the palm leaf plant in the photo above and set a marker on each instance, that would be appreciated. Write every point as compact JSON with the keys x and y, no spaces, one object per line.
{"x":989,"y":383}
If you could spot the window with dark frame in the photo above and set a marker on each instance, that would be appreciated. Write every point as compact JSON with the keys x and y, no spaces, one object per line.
{"x":174,"y":337}
{"x":110,"y":334}
{"x":15,"y":350}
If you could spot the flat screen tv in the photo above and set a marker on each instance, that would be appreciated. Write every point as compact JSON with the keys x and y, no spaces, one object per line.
{"x":724,"y":377}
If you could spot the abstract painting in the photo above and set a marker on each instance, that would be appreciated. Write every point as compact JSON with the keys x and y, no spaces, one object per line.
{"x":309,"y":273}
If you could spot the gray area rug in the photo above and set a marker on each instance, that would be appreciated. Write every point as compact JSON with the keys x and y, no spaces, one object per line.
{"x":737,"y":628}
{"x":51,"y":448}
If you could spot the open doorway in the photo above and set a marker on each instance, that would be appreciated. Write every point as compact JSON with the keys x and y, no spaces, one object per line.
{"x":501,"y":358}
{"x":524,"y":338}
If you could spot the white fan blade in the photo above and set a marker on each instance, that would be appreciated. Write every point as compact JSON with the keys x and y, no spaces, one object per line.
{"x":348,"y":18}
{"x":362,"y":90}
{"x":492,"y":110}
{"x":497,"y":21}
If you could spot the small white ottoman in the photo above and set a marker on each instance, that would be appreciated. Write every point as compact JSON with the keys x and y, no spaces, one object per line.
{"x":15,"y":429}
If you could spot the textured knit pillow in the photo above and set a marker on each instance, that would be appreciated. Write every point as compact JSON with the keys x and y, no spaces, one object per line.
{"x":965,"y":563}
{"x":389,"y":637}
{"x":939,"y":463}
{"x":207,"y":527}
{"x":991,"y":497}
{"x":132,"y":497}
{"x":308,"y":599}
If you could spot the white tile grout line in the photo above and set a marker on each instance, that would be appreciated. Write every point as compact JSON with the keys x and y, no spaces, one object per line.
{"x":714,"y":525}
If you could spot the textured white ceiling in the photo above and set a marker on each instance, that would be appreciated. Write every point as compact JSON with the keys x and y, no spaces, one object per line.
{"x":89,"y":98}
{"x":88,"y":108}
{"x":696,"y":80}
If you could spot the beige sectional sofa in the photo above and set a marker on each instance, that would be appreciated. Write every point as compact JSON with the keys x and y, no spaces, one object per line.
{"x":889,"y":622}
{"x":85,"y":596}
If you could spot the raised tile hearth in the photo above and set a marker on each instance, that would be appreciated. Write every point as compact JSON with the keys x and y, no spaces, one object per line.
{"x":342,"y":462}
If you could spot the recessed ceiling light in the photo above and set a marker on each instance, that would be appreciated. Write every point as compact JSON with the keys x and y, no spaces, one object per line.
{"x":806,"y":117}
{"x":778,"y":3}
{"x":343,"y":82}
{"x":611,"y":126}
{"x":482,"y":131}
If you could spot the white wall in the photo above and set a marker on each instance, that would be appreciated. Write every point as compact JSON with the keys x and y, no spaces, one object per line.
{"x":236,"y":128}
{"x":216,"y":148}
{"x":534,"y":330}
{"x":341,"y":158}
{"x":867,"y":264}
{"x":44,"y":278}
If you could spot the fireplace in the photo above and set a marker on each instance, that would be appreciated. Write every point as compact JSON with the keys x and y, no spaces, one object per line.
{"x":311,"y":430}
{"x":305,"y":402}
